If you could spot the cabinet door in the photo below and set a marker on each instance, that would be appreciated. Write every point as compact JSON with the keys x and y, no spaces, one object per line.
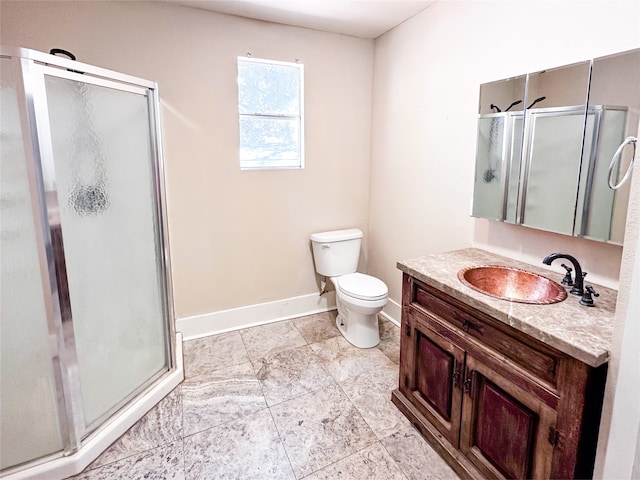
{"x":506,"y":431}
{"x":436,"y":386}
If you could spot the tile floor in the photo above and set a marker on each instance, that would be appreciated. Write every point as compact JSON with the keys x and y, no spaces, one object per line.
{"x":288,"y":400}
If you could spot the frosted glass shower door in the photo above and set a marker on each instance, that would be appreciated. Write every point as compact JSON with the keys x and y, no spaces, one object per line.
{"x":29,"y":425}
{"x":553,"y":168}
{"x":488,"y":189}
{"x":101,"y":135}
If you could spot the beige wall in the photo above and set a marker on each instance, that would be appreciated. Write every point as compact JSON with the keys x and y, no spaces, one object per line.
{"x":426,"y":85}
{"x":237,"y":238}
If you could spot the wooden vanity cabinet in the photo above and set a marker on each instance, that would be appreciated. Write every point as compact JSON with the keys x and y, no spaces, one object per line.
{"x":494,"y":402}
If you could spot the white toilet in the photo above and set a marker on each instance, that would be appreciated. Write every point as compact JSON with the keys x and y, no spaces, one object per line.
{"x":359,"y":297}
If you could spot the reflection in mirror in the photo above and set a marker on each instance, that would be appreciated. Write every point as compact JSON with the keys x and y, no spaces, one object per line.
{"x":498,"y":146}
{"x":556,"y":103}
{"x":614,"y":99}
{"x":553,"y":168}
{"x":545,"y":162}
{"x":558,"y":87}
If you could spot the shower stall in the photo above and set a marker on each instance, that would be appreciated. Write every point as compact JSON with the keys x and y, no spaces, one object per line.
{"x":87,"y":339}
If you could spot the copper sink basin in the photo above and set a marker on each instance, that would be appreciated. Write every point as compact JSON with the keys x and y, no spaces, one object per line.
{"x":512,"y":284}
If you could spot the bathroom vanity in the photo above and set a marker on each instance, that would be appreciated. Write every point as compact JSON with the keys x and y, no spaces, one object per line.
{"x":501,"y":389}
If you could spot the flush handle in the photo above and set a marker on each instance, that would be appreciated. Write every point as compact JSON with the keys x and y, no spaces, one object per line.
{"x":326,"y":245}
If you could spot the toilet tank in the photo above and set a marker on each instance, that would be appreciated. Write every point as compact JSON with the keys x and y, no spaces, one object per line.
{"x":337,"y":252}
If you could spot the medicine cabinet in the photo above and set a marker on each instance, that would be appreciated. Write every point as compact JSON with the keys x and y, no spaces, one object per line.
{"x":545,"y":145}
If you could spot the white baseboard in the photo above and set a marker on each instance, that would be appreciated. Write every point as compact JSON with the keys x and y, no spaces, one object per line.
{"x":392,"y":311}
{"x":253,"y":315}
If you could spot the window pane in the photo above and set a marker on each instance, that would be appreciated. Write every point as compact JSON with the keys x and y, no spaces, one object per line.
{"x":268,"y":89}
{"x":269,"y":142}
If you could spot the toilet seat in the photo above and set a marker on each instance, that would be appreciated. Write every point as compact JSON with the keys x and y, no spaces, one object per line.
{"x":362,"y":287}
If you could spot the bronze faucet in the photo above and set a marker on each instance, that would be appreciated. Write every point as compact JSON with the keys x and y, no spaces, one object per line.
{"x":578,"y":284}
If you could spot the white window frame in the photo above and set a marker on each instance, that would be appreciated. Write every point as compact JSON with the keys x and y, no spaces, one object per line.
{"x":300,"y":117}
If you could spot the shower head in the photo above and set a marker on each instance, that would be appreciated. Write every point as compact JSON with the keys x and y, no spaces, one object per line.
{"x":495,"y":107}
{"x":513,"y":105}
{"x":539,"y":99}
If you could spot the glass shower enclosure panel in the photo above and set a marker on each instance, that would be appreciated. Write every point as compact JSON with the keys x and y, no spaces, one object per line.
{"x":103,"y":162}
{"x":28,"y":413}
{"x":88,"y":343}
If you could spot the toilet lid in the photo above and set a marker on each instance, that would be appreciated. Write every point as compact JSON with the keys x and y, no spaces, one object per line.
{"x":363,"y":287}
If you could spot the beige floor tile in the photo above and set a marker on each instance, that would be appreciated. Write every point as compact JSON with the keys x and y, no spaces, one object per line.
{"x":248,"y":448}
{"x":214,"y":352}
{"x":370,"y":392}
{"x":416,"y":458}
{"x":319,"y":429}
{"x":343,"y":360}
{"x":270,"y":339}
{"x":372,"y":463}
{"x":221,"y":395}
{"x":291,"y":373}
{"x":318,"y":327}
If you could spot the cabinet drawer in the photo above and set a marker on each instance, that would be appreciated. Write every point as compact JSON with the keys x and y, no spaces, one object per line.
{"x":535,"y":358}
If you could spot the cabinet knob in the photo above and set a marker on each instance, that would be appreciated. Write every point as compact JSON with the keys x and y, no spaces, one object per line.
{"x":468,"y":383}
{"x":456,"y":379}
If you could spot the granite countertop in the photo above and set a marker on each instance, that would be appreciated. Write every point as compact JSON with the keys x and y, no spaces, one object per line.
{"x":584,"y":333}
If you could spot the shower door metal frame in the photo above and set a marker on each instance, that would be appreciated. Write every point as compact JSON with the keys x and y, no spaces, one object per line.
{"x":32,"y":67}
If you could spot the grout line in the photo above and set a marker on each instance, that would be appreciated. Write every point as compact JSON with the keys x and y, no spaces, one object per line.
{"x":282,"y":442}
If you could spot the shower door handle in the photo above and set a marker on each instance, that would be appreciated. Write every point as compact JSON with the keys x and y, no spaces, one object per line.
{"x":616,"y":158}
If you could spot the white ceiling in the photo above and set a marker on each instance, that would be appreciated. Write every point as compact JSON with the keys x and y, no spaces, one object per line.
{"x":359,"y":18}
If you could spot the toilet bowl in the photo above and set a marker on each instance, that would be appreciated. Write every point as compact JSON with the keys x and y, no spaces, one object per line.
{"x":359,"y":297}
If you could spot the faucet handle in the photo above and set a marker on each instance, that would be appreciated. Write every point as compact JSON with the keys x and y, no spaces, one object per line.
{"x":577,"y":288}
{"x":587,"y":299}
{"x":567,"y":280}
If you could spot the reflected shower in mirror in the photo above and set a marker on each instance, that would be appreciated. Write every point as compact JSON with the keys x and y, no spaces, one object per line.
{"x":498,"y":147}
{"x":554,"y":124}
{"x":614,"y":96}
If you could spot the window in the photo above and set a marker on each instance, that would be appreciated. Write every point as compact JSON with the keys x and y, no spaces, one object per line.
{"x":270,"y":104}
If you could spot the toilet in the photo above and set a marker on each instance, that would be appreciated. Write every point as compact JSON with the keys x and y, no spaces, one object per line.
{"x":359,"y":297}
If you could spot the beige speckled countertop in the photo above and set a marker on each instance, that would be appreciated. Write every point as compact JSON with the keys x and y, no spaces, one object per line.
{"x":584,"y":333}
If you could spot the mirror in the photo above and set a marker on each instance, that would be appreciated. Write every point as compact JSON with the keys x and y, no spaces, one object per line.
{"x":545,"y":143}
{"x":557,"y":101}
{"x":499,"y":148}
{"x":614,"y":109}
